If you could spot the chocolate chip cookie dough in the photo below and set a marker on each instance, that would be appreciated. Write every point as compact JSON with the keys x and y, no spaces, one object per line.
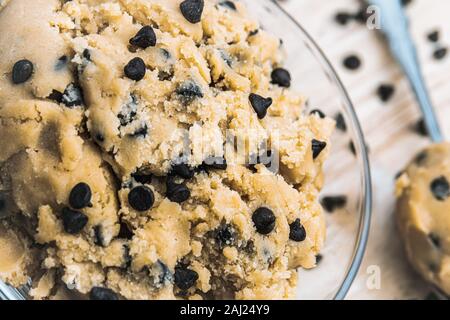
{"x":422,"y":214}
{"x":118,"y":177}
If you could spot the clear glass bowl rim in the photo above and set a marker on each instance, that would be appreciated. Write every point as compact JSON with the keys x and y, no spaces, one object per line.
{"x":366,"y":205}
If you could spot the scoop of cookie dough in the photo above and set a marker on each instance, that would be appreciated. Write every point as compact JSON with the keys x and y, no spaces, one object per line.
{"x":153,"y":152}
{"x":423,"y":192}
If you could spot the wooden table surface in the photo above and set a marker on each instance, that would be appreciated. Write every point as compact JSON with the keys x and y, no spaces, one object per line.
{"x":387,"y":126}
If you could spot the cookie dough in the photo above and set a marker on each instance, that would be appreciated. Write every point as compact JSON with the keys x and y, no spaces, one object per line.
{"x":152,"y":149}
{"x":423,"y":192}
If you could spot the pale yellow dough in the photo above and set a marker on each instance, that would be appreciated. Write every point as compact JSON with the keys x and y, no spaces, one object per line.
{"x":423,"y":219}
{"x":47,"y":148}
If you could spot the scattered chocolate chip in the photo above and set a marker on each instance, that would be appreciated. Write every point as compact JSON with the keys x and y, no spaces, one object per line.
{"x":99,"y":293}
{"x":421,"y":158}
{"x":98,"y":236}
{"x":61,"y":63}
{"x":143,"y":178}
{"x":185,"y":278}
{"x":319,"y":258}
{"x":260,"y":104}
{"x":433,"y":36}
{"x":125,"y":231}
{"x":73,"y":221}
{"x":165,"y":75}
{"x":183,"y":170}
{"x":332,"y":203}
{"x":135,"y":69}
{"x":141,"y":198}
{"x":435,"y":239}
{"x":352,"y":147}
{"x":80,"y":196}
{"x":264,"y":220}
{"x":224,"y":235}
{"x":352,"y":62}
{"x":297,"y":231}
{"x":385,"y":92}
{"x":281,"y":77}
{"x":440,"y":53}
{"x":72,"y":96}
{"x":192,"y":10}
{"x":188,"y":92}
{"x":343,"y":18}
{"x":145,"y":38}
{"x":421,"y":128}
{"x":406,"y":2}
{"x":318,"y":113}
{"x":22,"y":71}
{"x":317,"y":147}
{"x":440,"y":188}
{"x":228,"y":4}
{"x":178,"y":193}
{"x":340,"y":122}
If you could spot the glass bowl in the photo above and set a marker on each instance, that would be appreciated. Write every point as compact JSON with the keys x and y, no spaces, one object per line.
{"x":347,"y":171}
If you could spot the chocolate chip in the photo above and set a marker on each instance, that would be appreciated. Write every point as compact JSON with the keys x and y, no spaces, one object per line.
{"x":145,"y":38}
{"x":143,"y":178}
{"x":440,"y":188}
{"x":297,"y":231}
{"x":141,"y":198}
{"x":228,"y":4}
{"x":433,"y":36}
{"x":317,"y":147}
{"x":218,"y":163}
{"x":332,"y":203}
{"x":87,"y":54}
{"x":183,"y":170}
{"x":435,"y":239}
{"x":129,"y":111}
{"x":192,"y":10}
{"x":260,"y":104}
{"x":343,"y":18}
{"x":264,"y":220}
{"x":319,"y":258}
{"x":224,"y":235}
{"x":125,"y":231}
{"x":56,"y":96}
{"x":188,"y":92}
{"x":2,"y":202}
{"x":98,"y":236}
{"x":421,"y":128}
{"x":73,"y":221}
{"x":385,"y":92}
{"x":352,"y":62}
{"x":141,"y":132}
{"x":421,"y":158}
{"x":185,"y":278}
{"x":340,"y":122}
{"x":22,"y":71}
{"x":281,"y":77}
{"x":99,"y":293}
{"x":177,"y":192}
{"x":440,"y":53}
{"x":61,"y":63}
{"x":80,"y":196}
{"x":318,"y":113}
{"x":406,"y":2}
{"x":253,"y":33}
{"x":72,"y":96}
{"x":99,"y":137}
{"x":135,"y":69}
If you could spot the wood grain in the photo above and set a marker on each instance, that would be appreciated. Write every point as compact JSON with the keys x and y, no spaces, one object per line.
{"x":387,"y":127}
